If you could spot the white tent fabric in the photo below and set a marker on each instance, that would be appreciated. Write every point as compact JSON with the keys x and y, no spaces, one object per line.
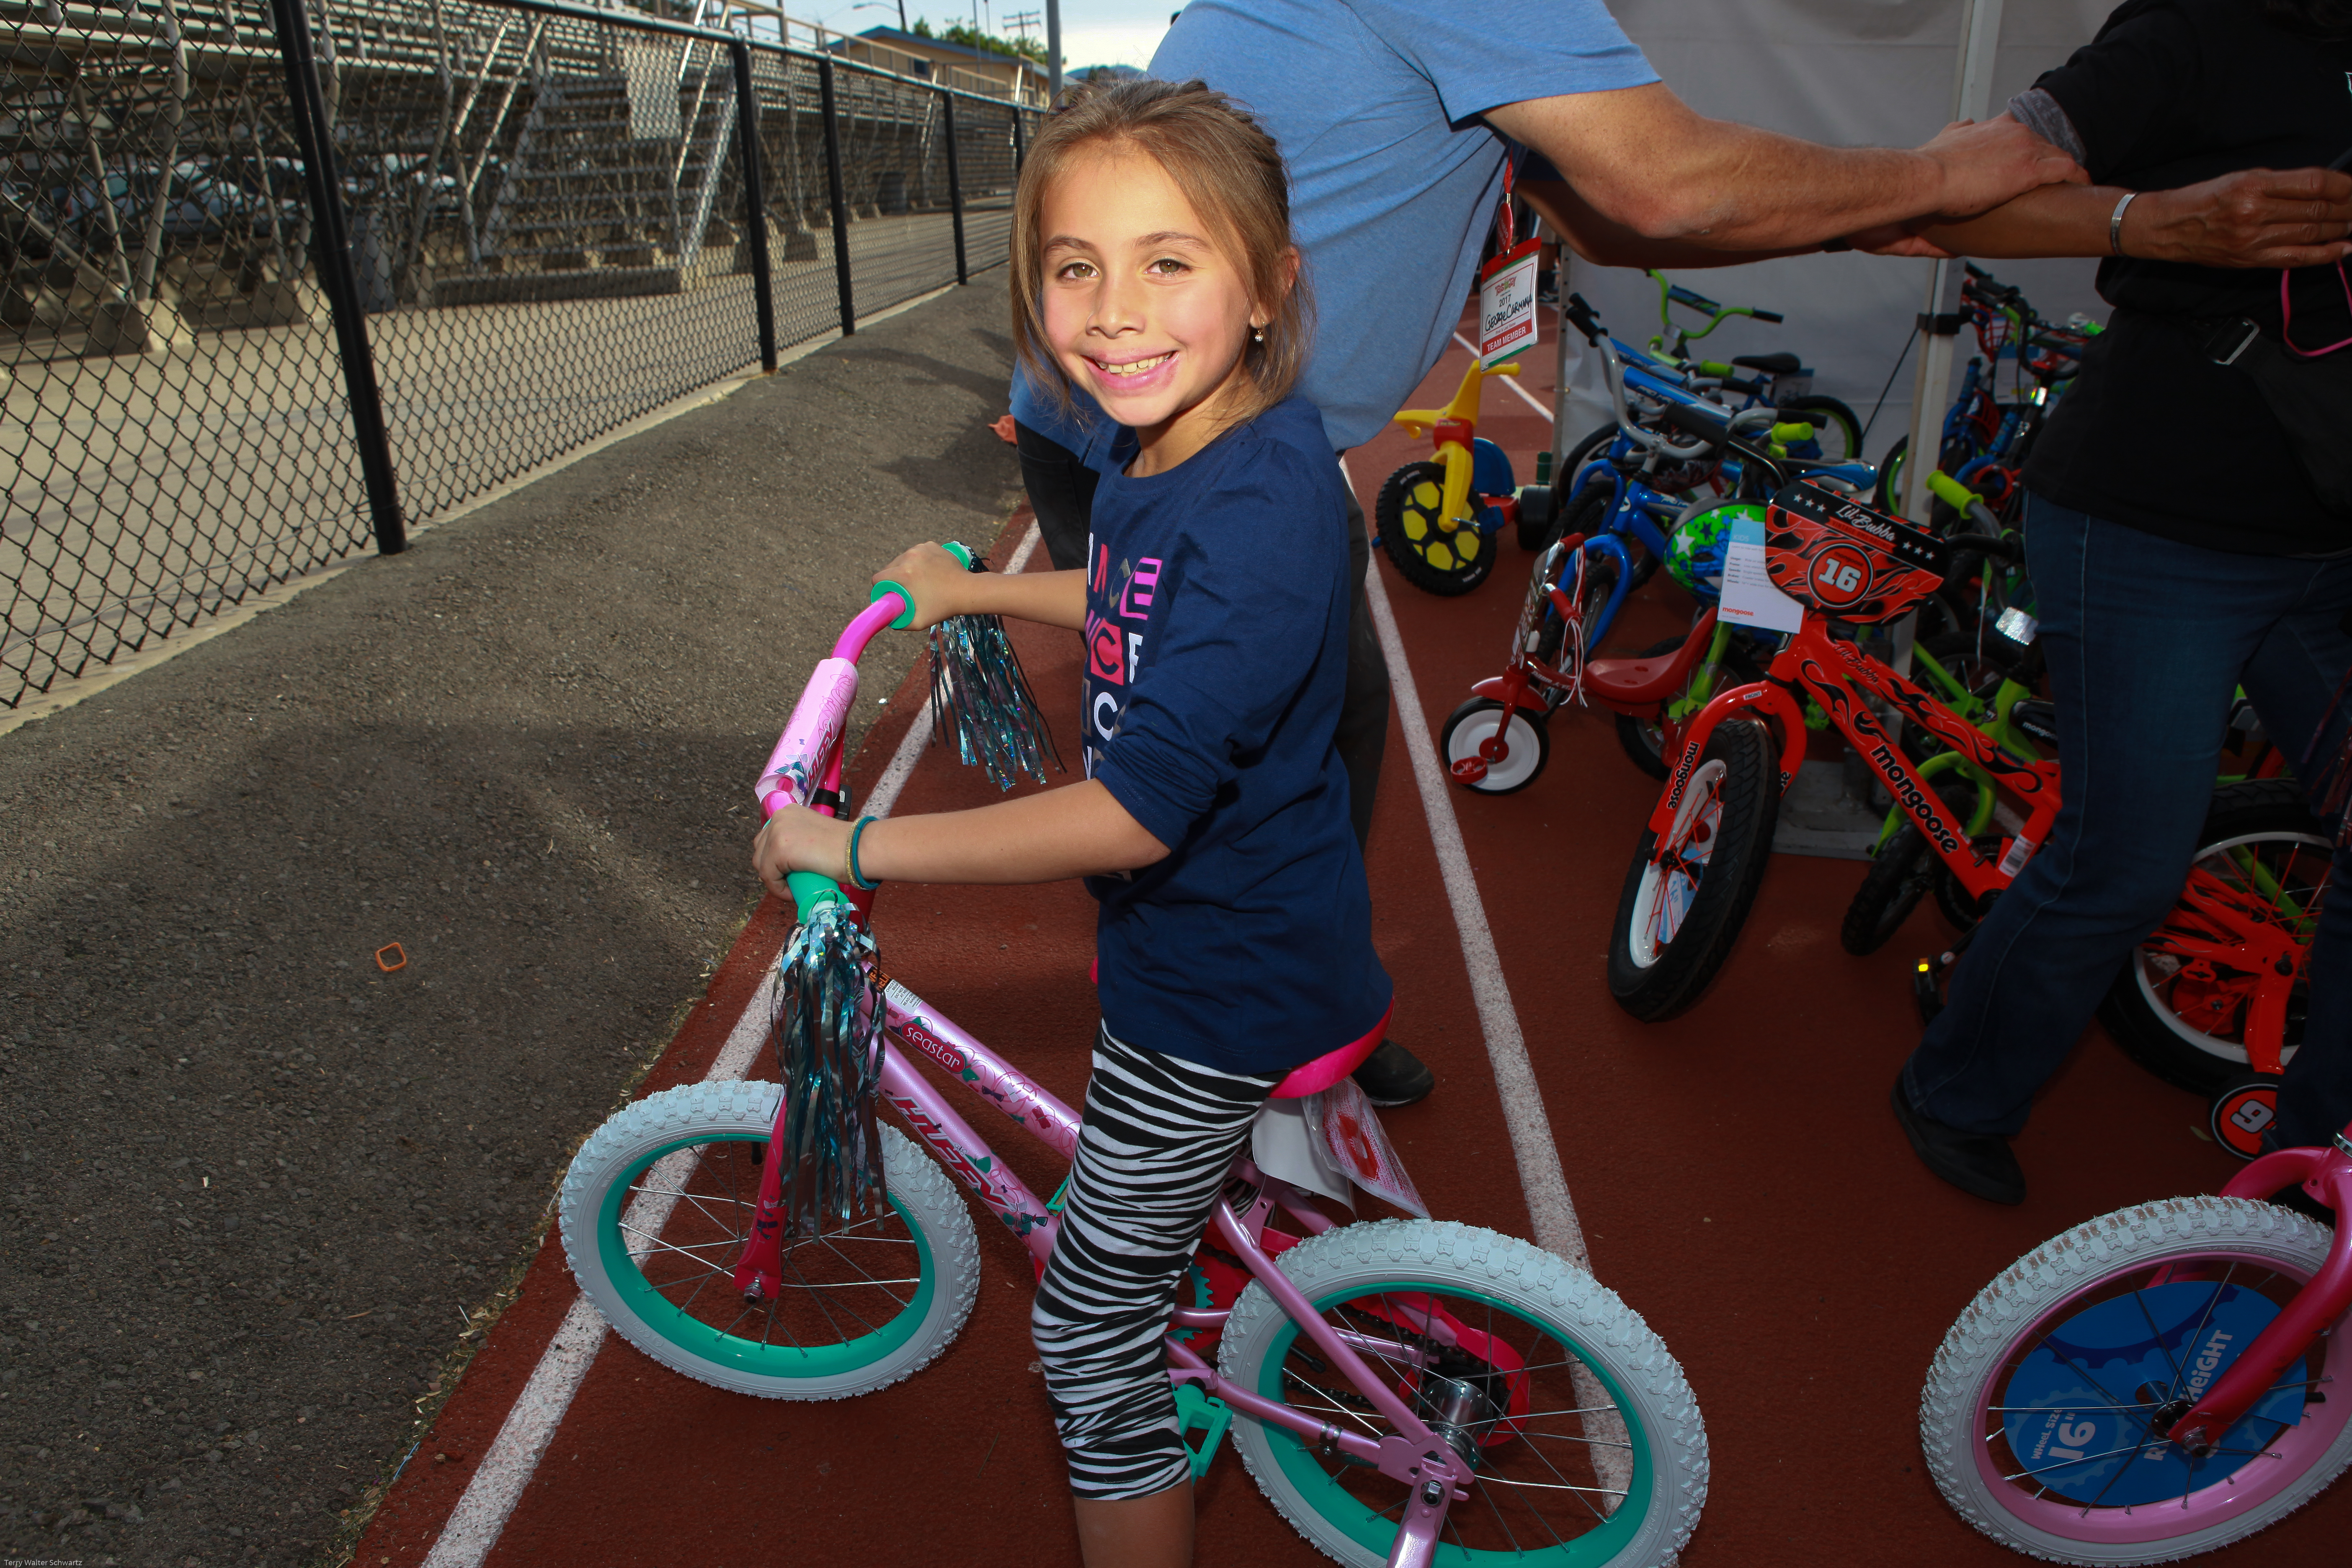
{"x":1846,"y":72}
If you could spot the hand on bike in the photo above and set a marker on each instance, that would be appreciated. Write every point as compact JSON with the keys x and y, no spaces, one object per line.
{"x":939,"y":582}
{"x":1987,"y":162}
{"x":799,"y":839}
{"x":2255,"y":217}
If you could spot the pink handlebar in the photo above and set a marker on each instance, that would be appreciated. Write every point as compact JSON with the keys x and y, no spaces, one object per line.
{"x":867,"y":621}
{"x":805,"y":751}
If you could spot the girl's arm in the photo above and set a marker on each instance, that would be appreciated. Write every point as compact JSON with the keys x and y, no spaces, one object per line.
{"x":1078,"y":830}
{"x":943,"y":587}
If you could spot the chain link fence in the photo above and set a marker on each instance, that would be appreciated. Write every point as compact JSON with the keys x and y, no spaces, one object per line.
{"x":230,"y":359}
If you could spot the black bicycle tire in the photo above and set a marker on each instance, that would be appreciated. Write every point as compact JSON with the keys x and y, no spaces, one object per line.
{"x":1388,"y":512}
{"x":1563,"y":478}
{"x":1900,"y":876}
{"x":1838,"y":411}
{"x":1743,"y":848}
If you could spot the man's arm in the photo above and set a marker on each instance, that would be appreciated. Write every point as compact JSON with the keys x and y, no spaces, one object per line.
{"x":2257,"y":217}
{"x":1670,"y":185}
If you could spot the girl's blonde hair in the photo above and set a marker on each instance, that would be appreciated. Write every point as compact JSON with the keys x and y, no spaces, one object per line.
{"x":1228,"y":168}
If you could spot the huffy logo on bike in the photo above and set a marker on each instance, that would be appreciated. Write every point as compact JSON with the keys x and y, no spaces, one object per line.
{"x":1912,"y":798}
{"x":917,"y":1034}
{"x":1840,"y":574}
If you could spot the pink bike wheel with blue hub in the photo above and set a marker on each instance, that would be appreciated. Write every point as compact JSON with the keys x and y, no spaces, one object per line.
{"x":2045,"y":1416}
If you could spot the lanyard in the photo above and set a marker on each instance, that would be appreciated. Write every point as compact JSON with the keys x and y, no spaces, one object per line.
{"x":1506,"y":229}
{"x":2287,"y":314}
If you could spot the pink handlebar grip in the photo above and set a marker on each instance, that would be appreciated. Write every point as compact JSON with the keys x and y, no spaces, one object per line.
{"x":809,"y":737}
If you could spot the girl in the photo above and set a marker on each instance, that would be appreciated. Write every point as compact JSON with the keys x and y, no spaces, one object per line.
{"x":1152,"y":264}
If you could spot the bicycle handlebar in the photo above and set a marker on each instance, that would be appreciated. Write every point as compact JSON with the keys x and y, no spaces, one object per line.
{"x":2006,"y":547}
{"x":807,"y":755}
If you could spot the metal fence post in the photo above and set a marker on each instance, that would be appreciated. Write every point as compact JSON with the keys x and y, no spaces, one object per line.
{"x":840,"y":208}
{"x":955,"y":183}
{"x":755,"y":199}
{"x":337,"y":277}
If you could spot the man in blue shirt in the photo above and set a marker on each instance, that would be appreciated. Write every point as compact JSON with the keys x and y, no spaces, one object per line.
{"x":1396,"y":121}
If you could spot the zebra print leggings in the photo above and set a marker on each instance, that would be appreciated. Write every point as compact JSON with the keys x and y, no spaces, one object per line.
{"x":1157,"y":1136}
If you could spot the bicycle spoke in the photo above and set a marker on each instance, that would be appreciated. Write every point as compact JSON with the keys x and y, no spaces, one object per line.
{"x":2139,"y":1300}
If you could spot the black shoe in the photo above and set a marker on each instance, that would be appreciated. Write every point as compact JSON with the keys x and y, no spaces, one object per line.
{"x":1979,"y":1163}
{"x":1392,"y":1076}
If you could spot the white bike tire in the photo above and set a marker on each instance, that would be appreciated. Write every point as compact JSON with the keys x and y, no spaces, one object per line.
{"x":1669,"y":1469}
{"x":600,"y":1186}
{"x":2030,"y":1291}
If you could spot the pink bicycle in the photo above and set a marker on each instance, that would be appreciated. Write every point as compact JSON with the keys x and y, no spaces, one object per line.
{"x":2157,"y":1383}
{"x":1405,"y":1391}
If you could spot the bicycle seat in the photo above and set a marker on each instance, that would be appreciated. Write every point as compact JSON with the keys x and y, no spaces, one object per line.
{"x":1313,"y":1078}
{"x":1638,"y":682}
{"x":1780,"y":364}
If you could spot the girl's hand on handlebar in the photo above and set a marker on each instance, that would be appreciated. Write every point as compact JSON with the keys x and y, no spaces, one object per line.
{"x":799,"y":839}
{"x":939,"y":582}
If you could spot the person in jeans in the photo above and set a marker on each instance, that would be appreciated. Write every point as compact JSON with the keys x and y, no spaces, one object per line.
{"x":1396,"y":121}
{"x":2169,"y":572}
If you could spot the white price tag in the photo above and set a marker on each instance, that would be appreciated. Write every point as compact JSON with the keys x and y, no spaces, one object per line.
{"x":1748,"y":597}
{"x":1507,"y":306}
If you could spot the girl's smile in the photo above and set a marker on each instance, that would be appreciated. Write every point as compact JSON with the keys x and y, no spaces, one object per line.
{"x":1141,"y":307}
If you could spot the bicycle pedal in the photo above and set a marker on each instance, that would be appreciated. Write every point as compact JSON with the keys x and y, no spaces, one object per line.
{"x":1199,"y":1412}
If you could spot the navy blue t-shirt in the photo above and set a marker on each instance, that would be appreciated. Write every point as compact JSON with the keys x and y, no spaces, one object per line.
{"x":1217,"y":602}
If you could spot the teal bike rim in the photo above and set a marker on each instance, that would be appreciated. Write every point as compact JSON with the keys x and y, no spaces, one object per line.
{"x":1342,"y":1508}
{"x":715,"y":1346}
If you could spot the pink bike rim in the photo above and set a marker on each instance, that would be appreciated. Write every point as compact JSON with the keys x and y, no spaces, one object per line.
{"x":2249,"y":1487}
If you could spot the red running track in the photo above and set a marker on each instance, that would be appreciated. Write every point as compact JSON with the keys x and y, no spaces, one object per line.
{"x":1738,"y":1178}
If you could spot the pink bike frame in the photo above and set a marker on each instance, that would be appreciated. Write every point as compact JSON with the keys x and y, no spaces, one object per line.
{"x":2326,"y":1175}
{"x":808,"y":758}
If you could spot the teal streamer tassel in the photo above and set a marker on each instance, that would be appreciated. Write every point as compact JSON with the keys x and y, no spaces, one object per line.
{"x":980,"y":694}
{"x":828,"y":1025}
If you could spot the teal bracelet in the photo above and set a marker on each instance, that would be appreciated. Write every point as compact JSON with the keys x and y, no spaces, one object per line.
{"x":857,"y":877}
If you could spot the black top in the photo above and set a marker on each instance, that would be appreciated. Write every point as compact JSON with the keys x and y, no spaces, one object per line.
{"x":2153,"y":434}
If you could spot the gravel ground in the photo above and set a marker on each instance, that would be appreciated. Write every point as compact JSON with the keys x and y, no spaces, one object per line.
{"x":260,"y":1193}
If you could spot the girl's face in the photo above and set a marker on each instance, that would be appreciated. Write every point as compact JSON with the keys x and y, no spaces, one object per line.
{"x":1141,"y":308}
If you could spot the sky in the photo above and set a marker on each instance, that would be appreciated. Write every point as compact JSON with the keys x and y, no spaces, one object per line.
{"x":1093,"y":32}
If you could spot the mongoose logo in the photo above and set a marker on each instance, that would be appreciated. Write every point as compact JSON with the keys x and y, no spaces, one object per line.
{"x":1912,"y":798}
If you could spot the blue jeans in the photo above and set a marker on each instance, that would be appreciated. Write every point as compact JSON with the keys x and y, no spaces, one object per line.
{"x":2146,"y":642}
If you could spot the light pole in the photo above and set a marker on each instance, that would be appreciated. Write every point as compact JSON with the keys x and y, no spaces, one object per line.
{"x":1053,"y":51}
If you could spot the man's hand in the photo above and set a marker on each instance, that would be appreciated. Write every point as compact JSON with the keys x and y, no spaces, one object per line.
{"x":2256,"y":218}
{"x":1986,"y":163}
{"x":1651,"y":183}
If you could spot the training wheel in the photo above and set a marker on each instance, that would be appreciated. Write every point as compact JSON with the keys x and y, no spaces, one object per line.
{"x":2242,"y":1112}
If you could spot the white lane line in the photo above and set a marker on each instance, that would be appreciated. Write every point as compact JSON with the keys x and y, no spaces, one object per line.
{"x":1540,"y":1176}
{"x":490,"y":1499}
{"x":480,"y":1516}
{"x":1510,"y":380}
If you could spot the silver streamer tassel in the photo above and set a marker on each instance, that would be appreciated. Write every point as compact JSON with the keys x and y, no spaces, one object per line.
{"x":979,"y":693}
{"x":827,"y":1026}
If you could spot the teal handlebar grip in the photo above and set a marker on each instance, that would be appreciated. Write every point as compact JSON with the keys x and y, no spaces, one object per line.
{"x":812,"y":891}
{"x":906,"y":617}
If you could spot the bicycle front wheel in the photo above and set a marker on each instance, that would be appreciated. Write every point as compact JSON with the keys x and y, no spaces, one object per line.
{"x":2044,"y":1415}
{"x":656,"y":1209}
{"x":1590,"y":1447}
{"x":1686,"y":897}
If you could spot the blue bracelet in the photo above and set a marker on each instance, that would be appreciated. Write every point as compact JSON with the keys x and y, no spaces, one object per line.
{"x":857,"y":877}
